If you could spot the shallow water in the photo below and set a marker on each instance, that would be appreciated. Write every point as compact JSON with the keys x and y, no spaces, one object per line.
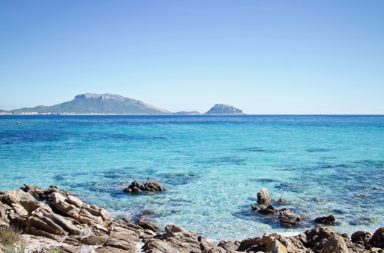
{"x":212,"y":166}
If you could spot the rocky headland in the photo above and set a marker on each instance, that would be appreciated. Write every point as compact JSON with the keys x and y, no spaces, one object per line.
{"x":53,"y":220}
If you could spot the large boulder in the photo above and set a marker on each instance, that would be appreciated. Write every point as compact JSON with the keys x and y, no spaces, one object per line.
{"x":324,"y":240}
{"x":377,"y":239}
{"x":335,"y":244}
{"x":361,"y":237}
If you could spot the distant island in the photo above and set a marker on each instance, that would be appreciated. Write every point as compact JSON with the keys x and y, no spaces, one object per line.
{"x":223,"y":109}
{"x":110,"y":104}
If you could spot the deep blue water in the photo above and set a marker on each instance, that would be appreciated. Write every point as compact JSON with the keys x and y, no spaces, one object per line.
{"x":212,"y":166}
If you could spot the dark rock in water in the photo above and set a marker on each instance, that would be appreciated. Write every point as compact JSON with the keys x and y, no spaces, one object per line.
{"x":281,"y":201}
{"x":361,"y":237}
{"x":269,"y":210}
{"x":377,"y":239}
{"x":149,"y":186}
{"x":285,"y":217}
{"x":263,"y":197}
{"x":326,"y":220}
{"x":288,"y":219}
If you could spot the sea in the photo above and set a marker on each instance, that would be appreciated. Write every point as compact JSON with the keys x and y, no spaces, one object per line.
{"x":211,"y":166}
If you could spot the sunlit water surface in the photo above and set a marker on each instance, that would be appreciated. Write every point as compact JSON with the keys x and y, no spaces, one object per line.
{"x":212,"y":166}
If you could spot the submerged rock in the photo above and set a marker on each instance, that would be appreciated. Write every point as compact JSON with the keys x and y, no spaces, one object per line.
{"x":269,"y":210}
{"x":149,"y":186}
{"x":326,"y":220}
{"x":281,"y":201}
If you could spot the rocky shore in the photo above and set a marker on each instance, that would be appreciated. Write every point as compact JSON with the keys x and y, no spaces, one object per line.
{"x":52,"y":220}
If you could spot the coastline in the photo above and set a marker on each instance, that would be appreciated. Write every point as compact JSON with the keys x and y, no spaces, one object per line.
{"x":53,"y":219}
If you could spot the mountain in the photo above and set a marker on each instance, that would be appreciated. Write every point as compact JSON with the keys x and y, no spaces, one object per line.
{"x":224,"y":110}
{"x":89,"y":103}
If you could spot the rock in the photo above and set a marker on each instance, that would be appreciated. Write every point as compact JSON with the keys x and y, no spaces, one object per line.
{"x":22,"y":202}
{"x":324,"y":240}
{"x":149,"y":186}
{"x":269,"y":210}
{"x":248,"y":243}
{"x":361,"y":237}
{"x":107,"y":249}
{"x":148,"y":225}
{"x":263,"y":197}
{"x":276,"y":247}
{"x":281,"y":201}
{"x":229,"y":246}
{"x":288,"y":219}
{"x":177,"y":239}
{"x":94,"y":240}
{"x":326,"y":220}
{"x":377,"y":239}
{"x":284,"y":216}
{"x":335,"y":244}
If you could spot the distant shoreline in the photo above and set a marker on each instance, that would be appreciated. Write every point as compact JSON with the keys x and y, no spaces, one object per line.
{"x":177,"y":114}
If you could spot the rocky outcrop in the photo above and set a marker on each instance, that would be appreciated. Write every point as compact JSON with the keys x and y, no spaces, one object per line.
{"x":149,"y":186}
{"x":63,"y":221}
{"x":54,"y":219}
{"x":285,"y":217}
{"x":326,"y":220}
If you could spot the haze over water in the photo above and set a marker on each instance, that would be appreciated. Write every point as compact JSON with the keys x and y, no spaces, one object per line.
{"x":212,"y":166}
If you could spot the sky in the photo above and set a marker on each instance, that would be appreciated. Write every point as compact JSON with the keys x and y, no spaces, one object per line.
{"x":263,"y":56}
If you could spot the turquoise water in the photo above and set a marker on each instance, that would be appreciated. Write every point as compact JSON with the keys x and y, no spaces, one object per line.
{"x":212,"y":166}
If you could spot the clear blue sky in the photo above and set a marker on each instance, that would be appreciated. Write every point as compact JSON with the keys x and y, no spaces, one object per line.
{"x":265,"y":56}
